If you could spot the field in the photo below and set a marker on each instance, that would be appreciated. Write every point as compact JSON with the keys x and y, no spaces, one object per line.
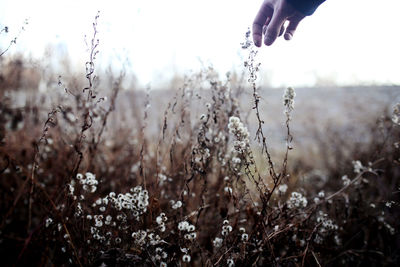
{"x":209,"y":171}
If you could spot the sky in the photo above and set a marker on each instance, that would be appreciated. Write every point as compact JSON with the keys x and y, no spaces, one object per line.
{"x":345,"y":42}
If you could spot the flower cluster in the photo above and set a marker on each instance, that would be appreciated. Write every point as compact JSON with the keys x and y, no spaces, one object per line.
{"x":203,"y":153}
{"x":358,"y":167}
{"x":326,"y":226}
{"x":89,"y":183}
{"x":139,"y":237}
{"x":244,"y":237}
{"x":162,"y":178}
{"x":217,"y":242}
{"x":396,"y":114}
{"x":297,"y":200}
{"x":94,"y":230}
{"x":226,"y":228}
{"x":161,"y":255}
{"x":185,"y":226}
{"x":346,"y":180}
{"x":241,"y":133}
{"x":176,"y":205}
{"x":98,"y":219}
{"x":288,"y":100}
{"x":136,"y":201}
{"x":161,"y":219}
{"x":321,"y":195}
{"x":247,"y":43}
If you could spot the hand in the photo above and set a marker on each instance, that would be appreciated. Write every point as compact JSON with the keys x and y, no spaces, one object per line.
{"x":270,"y":21}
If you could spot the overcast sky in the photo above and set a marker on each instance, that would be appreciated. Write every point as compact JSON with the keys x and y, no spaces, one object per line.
{"x":345,"y":41}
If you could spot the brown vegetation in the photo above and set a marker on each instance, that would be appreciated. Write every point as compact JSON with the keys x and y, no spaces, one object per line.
{"x":88,"y":177}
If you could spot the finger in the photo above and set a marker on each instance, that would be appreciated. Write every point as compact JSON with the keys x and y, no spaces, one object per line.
{"x":264,"y":29}
{"x":261,"y":19}
{"x":291,"y":28}
{"x":274,"y":27}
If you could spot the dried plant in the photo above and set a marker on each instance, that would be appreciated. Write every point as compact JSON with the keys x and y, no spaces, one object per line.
{"x":97,"y":185}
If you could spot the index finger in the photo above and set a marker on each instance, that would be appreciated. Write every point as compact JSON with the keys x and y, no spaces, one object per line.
{"x":263,"y":14}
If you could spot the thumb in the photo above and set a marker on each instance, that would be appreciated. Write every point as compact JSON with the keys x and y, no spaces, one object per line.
{"x":274,"y":27}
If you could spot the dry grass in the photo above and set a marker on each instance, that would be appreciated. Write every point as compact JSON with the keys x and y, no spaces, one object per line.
{"x":87,"y":180}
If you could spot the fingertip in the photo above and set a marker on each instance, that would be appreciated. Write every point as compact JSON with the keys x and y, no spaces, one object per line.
{"x":269,"y":40}
{"x":268,"y":43}
{"x":257,"y":40}
{"x":288,"y":36}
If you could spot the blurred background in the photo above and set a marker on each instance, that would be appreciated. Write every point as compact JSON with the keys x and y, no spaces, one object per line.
{"x":343,"y":43}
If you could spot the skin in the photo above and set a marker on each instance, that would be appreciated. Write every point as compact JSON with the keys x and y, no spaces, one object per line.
{"x":270,"y":22}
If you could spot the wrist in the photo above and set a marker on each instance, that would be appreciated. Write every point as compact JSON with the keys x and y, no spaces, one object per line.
{"x":306,"y":7}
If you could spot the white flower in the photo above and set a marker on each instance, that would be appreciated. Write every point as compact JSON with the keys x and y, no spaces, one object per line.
{"x":358,"y":167}
{"x":182,"y":226}
{"x":217,"y":242}
{"x":177,"y":205}
{"x":230,"y":263}
{"x":186,"y":258}
{"x":228,"y":190}
{"x":297,"y":201}
{"x":282,"y":188}
{"x":48,"y":222}
{"x":236,"y":160}
{"x":245,"y":237}
{"x":389,"y":203}
{"x":191,"y":228}
{"x":346,"y":180}
{"x":98,"y":223}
